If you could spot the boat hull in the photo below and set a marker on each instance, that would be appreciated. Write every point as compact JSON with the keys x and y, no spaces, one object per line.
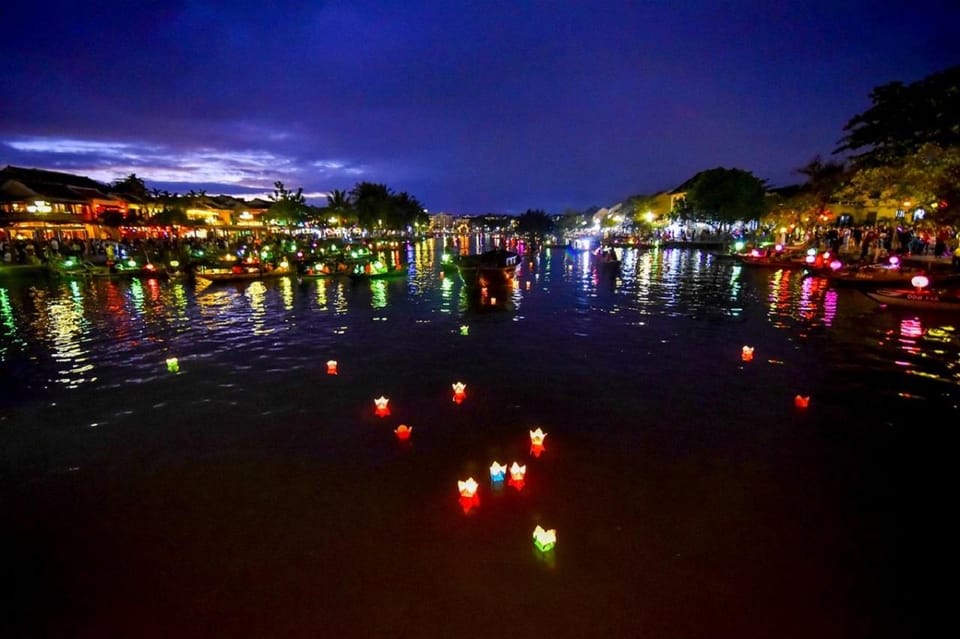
{"x":936,"y":300}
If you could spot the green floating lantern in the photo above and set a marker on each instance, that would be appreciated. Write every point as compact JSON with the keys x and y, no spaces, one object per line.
{"x":544,"y":540}
{"x":173,"y":365}
{"x":464,"y":330}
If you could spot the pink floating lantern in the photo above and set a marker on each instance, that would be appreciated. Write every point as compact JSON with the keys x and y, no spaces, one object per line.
{"x":468,"y":488}
{"x":836,"y":265}
{"x":403,"y":432}
{"x":332,"y":367}
{"x":459,"y":392}
{"x":382,"y":406}
{"x":801,"y":401}
{"x":746,"y":354}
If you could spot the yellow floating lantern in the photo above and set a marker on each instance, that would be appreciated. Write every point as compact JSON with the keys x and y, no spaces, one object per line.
{"x":544,"y":540}
{"x":468,"y":488}
{"x":747,"y":353}
{"x":173,"y":365}
{"x":801,"y":401}
{"x":537,"y":437}
{"x":382,"y":406}
{"x":332,"y":367}
{"x":403,"y":432}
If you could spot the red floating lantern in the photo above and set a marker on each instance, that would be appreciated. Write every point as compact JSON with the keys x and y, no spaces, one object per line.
{"x":382,"y":406}
{"x":801,"y":401}
{"x":403,"y":432}
{"x":332,"y":367}
{"x":469,"y":503}
{"x":746,"y":354}
{"x":459,"y":392}
{"x":537,"y":450}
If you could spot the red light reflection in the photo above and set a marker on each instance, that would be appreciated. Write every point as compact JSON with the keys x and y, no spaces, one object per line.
{"x":467,"y":504}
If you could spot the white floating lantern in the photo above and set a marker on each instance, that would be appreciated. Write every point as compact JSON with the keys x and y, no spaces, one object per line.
{"x":544,"y":540}
{"x":468,"y":488}
{"x":537,"y":437}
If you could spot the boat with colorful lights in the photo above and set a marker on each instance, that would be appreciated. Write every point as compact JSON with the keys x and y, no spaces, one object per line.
{"x":242,"y":273}
{"x":778,"y":257}
{"x":918,"y":297}
{"x":491,"y":268}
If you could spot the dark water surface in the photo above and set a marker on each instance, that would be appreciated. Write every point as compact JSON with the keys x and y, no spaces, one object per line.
{"x":253,"y":495}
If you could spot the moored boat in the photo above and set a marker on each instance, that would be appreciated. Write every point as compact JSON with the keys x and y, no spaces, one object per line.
{"x":491,"y":268}
{"x":773,"y":258}
{"x":918,"y":298}
{"x":242,"y":273}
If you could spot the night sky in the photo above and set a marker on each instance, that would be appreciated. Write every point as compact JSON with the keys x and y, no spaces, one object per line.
{"x":472,"y":107}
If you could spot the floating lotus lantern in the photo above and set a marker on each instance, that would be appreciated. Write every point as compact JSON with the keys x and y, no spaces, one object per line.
{"x":544,"y":540}
{"x":497,"y":472}
{"x":747,"y":353}
{"x":537,"y":437}
{"x":173,"y":365}
{"x":464,"y":329}
{"x":517,"y":472}
{"x":382,"y":406}
{"x":331,"y":367}
{"x":801,"y":401}
{"x":468,"y":488}
{"x":469,"y":503}
{"x":459,"y":392}
{"x":403,"y":432}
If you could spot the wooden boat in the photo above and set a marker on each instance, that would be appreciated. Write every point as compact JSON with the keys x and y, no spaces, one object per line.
{"x":787,"y":258}
{"x":388,"y":274}
{"x":492,"y":268}
{"x":242,"y":274}
{"x":920,"y":298}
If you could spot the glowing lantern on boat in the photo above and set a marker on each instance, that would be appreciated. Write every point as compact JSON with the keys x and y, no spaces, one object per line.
{"x":810,"y":259}
{"x":544,"y":540}
{"x":801,"y":401}
{"x":332,"y":367}
{"x":778,"y":248}
{"x":836,"y":265}
{"x":382,"y":406}
{"x":459,"y":392}
{"x":517,"y":472}
{"x":467,"y":488}
{"x":403,"y":432}
{"x":754,"y":253}
{"x":173,"y":365}
{"x":497,"y":472}
{"x":537,"y":437}
{"x":894,"y":260}
{"x":746,"y":354}
{"x":920,"y":281}
{"x":811,"y":252}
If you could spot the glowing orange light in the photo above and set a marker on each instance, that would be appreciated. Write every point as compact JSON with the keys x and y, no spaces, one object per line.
{"x":536,"y":450}
{"x":537,"y":437}
{"x":332,"y":367}
{"x":516,"y":484}
{"x":382,"y":408}
{"x":467,"y":488}
{"x":746,"y":353}
{"x":801,"y":401}
{"x":920,"y":281}
{"x":403,"y":432}
{"x":459,"y":392}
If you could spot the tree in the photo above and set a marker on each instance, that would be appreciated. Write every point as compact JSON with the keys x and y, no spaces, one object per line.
{"x":903,"y":118}
{"x":371,"y":202}
{"x":824,"y":181}
{"x":339,"y":204}
{"x":131,"y":185}
{"x":534,"y":222}
{"x":288,"y":208}
{"x":723,"y":196}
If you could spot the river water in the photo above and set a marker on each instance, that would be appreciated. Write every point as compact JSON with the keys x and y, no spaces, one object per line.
{"x":251,"y":494}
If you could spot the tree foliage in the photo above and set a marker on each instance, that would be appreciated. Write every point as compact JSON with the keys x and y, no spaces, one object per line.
{"x":288,"y":207}
{"x":723,"y":196}
{"x":378,"y":206}
{"x":534,"y":222}
{"x":131,"y":185}
{"x":903,"y":118}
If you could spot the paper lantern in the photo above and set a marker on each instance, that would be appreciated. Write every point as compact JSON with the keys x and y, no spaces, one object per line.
{"x":403,"y":432}
{"x":382,"y":406}
{"x":747,"y":353}
{"x":459,"y":392}
{"x":469,"y":503}
{"x":537,"y":437}
{"x":836,"y":265}
{"x":920,"y":281}
{"x":544,"y":540}
{"x":497,"y":472}
{"x":801,"y":402}
{"x":517,"y":471}
{"x":464,"y":330}
{"x":332,"y":367}
{"x":468,"y":488}
{"x":894,"y":260}
{"x":173,"y":365}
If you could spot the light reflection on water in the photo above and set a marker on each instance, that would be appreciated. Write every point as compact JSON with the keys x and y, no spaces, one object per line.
{"x":67,"y":333}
